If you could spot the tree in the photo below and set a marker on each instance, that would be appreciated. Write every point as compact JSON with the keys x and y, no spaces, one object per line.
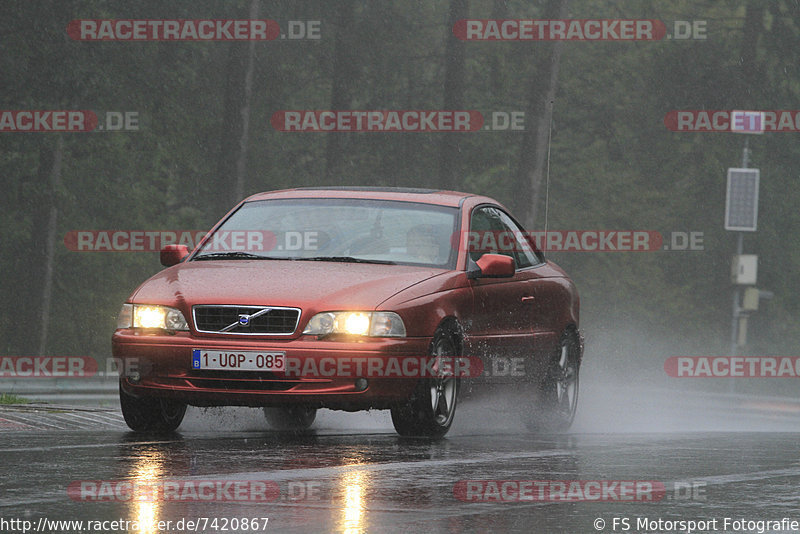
{"x":450,"y":160}
{"x":535,"y":142}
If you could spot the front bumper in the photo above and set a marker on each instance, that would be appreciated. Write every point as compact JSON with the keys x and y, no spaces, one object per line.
{"x":164,"y":367}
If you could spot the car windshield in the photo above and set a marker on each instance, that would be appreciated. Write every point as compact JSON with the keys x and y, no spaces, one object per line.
{"x":357,"y":230}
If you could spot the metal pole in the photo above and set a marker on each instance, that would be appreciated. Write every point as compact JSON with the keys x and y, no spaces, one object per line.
{"x":736,"y":290}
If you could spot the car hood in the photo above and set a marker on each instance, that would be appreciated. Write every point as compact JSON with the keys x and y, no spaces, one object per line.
{"x":311,"y":285}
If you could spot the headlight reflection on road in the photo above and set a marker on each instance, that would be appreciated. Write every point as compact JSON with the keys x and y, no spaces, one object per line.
{"x":355,"y":484}
{"x":147,"y":471}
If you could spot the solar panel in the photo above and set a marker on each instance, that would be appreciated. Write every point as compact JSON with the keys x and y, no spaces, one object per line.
{"x":741,"y":200}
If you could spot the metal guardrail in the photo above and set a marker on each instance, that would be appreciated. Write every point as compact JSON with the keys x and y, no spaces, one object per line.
{"x":100,"y":388}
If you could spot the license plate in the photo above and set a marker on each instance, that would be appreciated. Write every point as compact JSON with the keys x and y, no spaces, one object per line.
{"x":241,"y":360}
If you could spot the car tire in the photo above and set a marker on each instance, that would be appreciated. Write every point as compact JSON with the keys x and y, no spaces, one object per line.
{"x":294,"y":418}
{"x":432,"y":407}
{"x":557,"y":395}
{"x":150,"y":414}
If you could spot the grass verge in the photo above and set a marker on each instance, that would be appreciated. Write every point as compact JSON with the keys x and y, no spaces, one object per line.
{"x":10,"y":398}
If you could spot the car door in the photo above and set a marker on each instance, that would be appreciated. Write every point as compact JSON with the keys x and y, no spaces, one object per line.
{"x":546,"y":299}
{"x":501,"y":330}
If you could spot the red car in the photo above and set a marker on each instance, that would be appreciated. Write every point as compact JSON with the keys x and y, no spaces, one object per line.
{"x":353,"y":298}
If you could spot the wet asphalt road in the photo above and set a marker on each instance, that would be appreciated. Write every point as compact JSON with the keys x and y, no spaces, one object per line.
{"x":694,"y":457}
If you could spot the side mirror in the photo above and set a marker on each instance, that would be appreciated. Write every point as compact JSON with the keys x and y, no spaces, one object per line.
{"x":494,"y":266}
{"x":173,"y":254}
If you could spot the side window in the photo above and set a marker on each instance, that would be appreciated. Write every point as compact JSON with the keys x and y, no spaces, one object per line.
{"x":525,"y":254}
{"x":492,"y":231}
{"x":484,"y":228}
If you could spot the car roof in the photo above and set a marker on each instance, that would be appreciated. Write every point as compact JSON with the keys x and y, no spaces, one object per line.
{"x":405,"y":194}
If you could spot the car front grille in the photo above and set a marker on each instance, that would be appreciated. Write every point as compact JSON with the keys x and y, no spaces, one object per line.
{"x":246,"y":320}
{"x":264,"y":382}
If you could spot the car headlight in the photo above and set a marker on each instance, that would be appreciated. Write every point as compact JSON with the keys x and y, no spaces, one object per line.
{"x":151,"y":316}
{"x":358,"y":323}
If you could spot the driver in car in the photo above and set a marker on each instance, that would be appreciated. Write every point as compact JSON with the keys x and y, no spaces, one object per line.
{"x":422,"y":244}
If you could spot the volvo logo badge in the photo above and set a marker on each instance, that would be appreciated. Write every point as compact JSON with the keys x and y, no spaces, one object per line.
{"x":245,"y":319}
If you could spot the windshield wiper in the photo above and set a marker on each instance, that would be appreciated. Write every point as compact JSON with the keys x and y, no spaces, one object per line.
{"x":233,"y":256}
{"x":347,"y":259}
{"x":248,"y":256}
